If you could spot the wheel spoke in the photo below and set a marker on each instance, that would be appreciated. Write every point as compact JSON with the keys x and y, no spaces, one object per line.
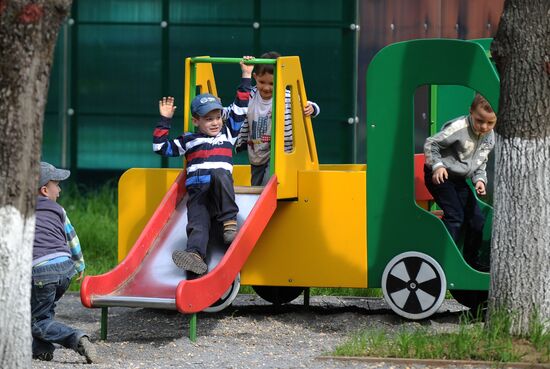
{"x":400,"y":271}
{"x":425,"y":300}
{"x":425,"y":273}
{"x":400,"y":297}
{"x":413,"y":266}
{"x":432,"y":287}
{"x":395,"y":284}
{"x":413,"y":305}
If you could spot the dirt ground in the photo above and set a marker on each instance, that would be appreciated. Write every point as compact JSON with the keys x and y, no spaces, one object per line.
{"x":249,"y":334}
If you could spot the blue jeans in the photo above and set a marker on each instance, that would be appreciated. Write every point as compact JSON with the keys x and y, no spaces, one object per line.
{"x":461,"y":212}
{"x":49,"y":283}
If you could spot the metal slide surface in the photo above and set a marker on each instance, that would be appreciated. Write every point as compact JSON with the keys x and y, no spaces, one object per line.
{"x":147,"y":277}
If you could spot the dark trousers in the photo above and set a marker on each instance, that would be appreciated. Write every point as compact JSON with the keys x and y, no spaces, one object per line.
{"x":460,"y":212}
{"x":49,"y":283}
{"x":214,"y":200}
{"x":259,"y":174}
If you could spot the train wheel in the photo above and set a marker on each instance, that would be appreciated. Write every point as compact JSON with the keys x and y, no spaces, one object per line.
{"x":227,"y":298}
{"x":278,"y":294}
{"x":414,"y":285}
{"x":475,"y":300}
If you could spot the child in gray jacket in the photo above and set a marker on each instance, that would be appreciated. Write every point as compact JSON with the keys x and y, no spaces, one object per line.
{"x":460,"y":151}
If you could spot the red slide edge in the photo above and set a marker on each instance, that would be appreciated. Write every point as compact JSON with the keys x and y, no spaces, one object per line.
{"x":107,"y":283}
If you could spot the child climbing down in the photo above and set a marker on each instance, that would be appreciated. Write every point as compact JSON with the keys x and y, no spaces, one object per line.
{"x":460,"y":151}
{"x":209,"y":166}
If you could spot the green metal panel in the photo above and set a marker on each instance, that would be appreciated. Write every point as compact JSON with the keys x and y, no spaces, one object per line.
{"x":395,"y":223}
{"x":211,"y":12}
{"x":118,"y":86}
{"x":134,"y":11}
{"x":55,"y":119}
{"x":453,"y":101}
{"x":122,"y":56}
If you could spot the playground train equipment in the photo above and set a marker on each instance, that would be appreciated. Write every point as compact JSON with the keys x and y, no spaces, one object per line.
{"x":312,"y":225}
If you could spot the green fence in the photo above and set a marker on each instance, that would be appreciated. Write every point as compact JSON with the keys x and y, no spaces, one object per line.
{"x":115,"y":59}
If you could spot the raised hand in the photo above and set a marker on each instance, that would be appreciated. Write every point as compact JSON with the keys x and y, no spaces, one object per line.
{"x":246,"y":69}
{"x":166,"y":107}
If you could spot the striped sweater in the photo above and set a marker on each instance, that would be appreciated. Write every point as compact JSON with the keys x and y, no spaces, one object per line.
{"x":256,"y":130}
{"x":202,"y":152}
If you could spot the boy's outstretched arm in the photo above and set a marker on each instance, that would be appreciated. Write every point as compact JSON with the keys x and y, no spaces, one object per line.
{"x":235,"y":114}
{"x":162,"y":144}
{"x":246,"y":69}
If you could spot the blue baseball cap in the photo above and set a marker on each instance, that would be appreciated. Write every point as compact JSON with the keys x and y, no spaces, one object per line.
{"x":204,"y":103}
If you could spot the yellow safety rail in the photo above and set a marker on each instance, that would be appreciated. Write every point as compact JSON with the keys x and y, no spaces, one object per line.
{"x":203,"y":77}
{"x":304,"y":154}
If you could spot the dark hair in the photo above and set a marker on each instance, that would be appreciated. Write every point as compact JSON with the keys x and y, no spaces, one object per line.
{"x":261,"y":69}
{"x":479,"y":100}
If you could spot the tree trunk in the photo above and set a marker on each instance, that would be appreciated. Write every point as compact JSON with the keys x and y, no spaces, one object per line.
{"x":28,"y":33}
{"x":520,"y":251}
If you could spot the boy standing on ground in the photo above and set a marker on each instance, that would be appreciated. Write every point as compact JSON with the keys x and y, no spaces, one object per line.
{"x":209,"y":162}
{"x":459,"y":151}
{"x":57,"y":257}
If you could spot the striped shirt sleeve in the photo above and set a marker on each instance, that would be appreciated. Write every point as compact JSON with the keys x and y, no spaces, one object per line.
{"x":163,"y":145}
{"x":235,"y":114}
{"x":289,"y":140}
{"x":74,"y":245}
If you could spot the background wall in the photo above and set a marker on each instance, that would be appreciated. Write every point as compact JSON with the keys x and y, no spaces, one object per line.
{"x":388,"y":21}
{"x":116,"y":58}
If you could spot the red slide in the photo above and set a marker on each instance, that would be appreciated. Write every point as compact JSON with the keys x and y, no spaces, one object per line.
{"x":147,"y":277}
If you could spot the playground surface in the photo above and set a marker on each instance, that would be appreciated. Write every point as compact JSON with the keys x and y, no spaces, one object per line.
{"x":250,"y":334}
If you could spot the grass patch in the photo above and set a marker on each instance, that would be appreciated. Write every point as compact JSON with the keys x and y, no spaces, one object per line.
{"x":93,"y":213}
{"x":471,"y":341}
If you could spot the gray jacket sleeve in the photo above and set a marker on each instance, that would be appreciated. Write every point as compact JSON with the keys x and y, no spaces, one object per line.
{"x":441,"y":140}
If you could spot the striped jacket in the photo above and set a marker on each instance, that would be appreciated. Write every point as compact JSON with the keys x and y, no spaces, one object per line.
{"x":202,"y":152}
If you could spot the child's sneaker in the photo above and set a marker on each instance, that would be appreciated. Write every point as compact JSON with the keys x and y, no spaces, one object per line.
{"x":189,"y":261}
{"x":229,"y":230}
{"x":87,"y":349}
{"x":45,"y":356}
